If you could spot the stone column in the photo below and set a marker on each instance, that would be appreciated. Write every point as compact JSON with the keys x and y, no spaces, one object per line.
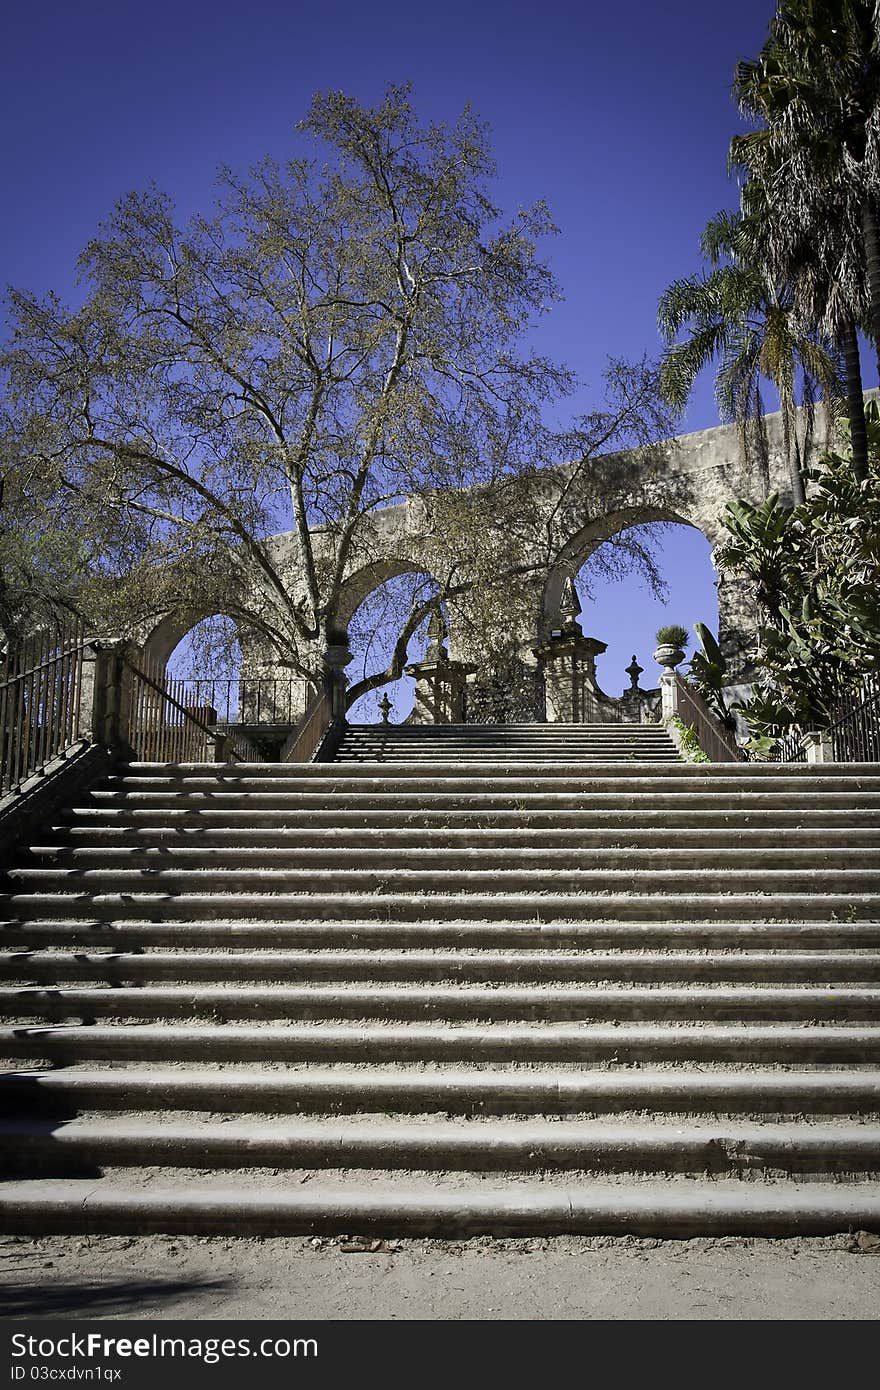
{"x":818,"y":747}
{"x":568,"y":665}
{"x":440,"y":689}
{"x":337,"y":655}
{"x":440,"y":683}
{"x":738,"y":627}
{"x":107,"y":692}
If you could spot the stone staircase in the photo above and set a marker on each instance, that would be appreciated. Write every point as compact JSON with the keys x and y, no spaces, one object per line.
{"x":525,"y":980}
{"x":482,"y":743}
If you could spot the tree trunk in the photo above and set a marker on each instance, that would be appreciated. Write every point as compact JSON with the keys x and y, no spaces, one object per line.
{"x":855,"y":400}
{"x":789,"y":444}
{"x":871,"y":236}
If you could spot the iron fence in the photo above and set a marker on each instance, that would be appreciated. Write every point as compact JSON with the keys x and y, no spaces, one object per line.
{"x":160,"y":726}
{"x":245,"y":700}
{"x":788,"y":749}
{"x":855,"y":732}
{"x":718,"y":743}
{"x":40,"y":698}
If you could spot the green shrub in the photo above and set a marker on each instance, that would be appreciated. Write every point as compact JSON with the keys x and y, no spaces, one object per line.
{"x":673,"y":635}
{"x":689,"y":745}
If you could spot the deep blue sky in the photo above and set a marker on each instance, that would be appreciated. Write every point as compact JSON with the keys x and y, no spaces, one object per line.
{"x":619,"y":116}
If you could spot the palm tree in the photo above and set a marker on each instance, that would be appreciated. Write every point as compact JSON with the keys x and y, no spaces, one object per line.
{"x":736,"y":316}
{"x":823,"y":265}
{"x":816,"y":88}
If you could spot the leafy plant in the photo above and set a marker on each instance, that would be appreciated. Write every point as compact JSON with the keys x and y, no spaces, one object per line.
{"x":688,"y":741}
{"x":708,"y":675}
{"x":816,"y":573}
{"x":673,"y":635}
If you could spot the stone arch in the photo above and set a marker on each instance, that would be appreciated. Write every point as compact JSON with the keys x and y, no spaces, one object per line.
{"x":581,"y":544}
{"x":172,"y":628}
{"x":365,"y":581}
{"x":357,"y":589}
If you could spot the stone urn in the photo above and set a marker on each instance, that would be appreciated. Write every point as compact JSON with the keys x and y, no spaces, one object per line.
{"x":668,"y":655}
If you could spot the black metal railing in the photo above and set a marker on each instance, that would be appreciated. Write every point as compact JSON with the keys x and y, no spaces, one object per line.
{"x":165,"y":726}
{"x":717,"y":742}
{"x":246,"y":700}
{"x":855,"y":732}
{"x":788,"y":749}
{"x":40,"y":699}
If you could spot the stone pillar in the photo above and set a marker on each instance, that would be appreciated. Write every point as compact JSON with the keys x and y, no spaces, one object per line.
{"x":668,"y":695}
{"x":568,"y":665}
{"x":440,"y":683}
{"x":337,"y":655}
{"x":738,"y":627}
{"x":818,"y":747}
{"x":107,"y":692}
{"x":440,"y":690}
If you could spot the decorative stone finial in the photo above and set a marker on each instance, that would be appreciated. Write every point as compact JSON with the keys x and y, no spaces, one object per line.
{"x":385,"y":707}
{"x":569,"y":604}
{"x":634,"y":670}
{"x":437,"y":634}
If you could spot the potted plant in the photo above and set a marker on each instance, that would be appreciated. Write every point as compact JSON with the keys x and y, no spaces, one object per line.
{"x":672,"y":639}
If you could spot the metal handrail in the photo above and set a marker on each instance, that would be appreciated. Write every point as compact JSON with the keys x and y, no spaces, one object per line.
{"x":248,"y":700}
{"x":40,"y":701}
{"x":156,"y":738}
{"x":305,"y":741}
{"x":789,"y":748}
{"x":855,"y":734}
{"x":717,"y":742}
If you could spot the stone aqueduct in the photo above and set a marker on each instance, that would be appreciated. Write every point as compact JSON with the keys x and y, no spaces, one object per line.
{"x":686,"y":480}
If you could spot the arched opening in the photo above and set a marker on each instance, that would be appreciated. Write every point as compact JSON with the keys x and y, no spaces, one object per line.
{"x":224,"y":680}
{"x":634,"y":572}
{"x":387,"y":623}
{"x":210,"y":647}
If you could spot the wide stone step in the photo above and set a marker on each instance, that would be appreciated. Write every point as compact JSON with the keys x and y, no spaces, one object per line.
{"x":453,"y":882}
{"x":563,"y":1003}
{"x":697,"y":934}
{"x":584,"y":754}
{"x":684,"y":778}
{"x":418,"y":907}
{"x":554,"y":863}
{"x":286,"y":775}
{"x":101,"y":836}
{"x":524,"y":802}
{"x":427,"y":1090}
{"x":777,"y":817}
{"x":756,"y":967}
{"x":741,"y":1043}
{"x":683,"y":1207}
{"x":712,"y":1146}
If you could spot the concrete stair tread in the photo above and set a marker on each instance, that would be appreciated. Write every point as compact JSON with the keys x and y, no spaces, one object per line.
{"x":684,"y":1206}
{"x":610,"y":995}
{"x":98,"y":836}
{"x":848,"y":905}
{"x":405,"y":773}
{"x":725,"y":933}
{"x":515,"y":859}
{"x":828,"y":967}
{"x":511,"y":1085}
{"x":561,"y":1130}
{"x":779,"y":817}
{"x":367,"y":879}
{"x":443,"y":1040}
{"x":483,"y":793}
{"x":423,"y":1141}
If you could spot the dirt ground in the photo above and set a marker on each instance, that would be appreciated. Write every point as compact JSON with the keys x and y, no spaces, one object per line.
{"x":836,"y":1277}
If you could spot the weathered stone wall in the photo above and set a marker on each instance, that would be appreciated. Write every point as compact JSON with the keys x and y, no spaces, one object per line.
{"x":561,"y":516}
